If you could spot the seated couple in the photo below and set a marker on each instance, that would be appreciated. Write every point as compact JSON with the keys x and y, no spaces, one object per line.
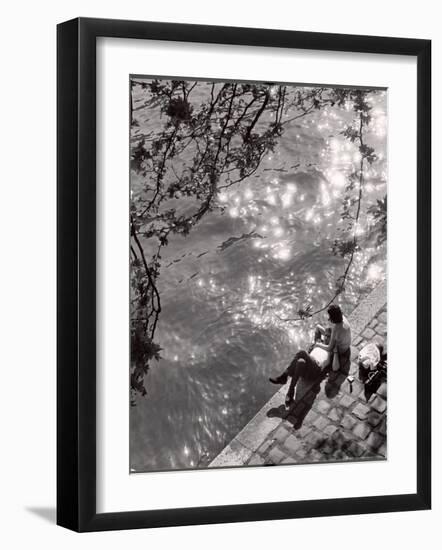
{"x":328,"y":343}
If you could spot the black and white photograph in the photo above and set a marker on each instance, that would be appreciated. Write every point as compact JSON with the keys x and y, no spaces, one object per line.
{"x":218,"y":293}
{"x":258,"y":230}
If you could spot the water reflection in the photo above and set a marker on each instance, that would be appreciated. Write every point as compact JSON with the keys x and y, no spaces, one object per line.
{"x":227,"y":288}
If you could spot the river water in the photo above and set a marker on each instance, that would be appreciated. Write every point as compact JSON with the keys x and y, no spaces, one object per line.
{"x":227,"y":287}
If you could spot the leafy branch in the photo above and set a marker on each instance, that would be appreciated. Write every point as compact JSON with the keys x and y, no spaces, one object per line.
{"x":351,"y":207}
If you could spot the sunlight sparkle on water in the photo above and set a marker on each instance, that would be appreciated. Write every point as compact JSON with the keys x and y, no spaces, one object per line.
{"x":309,"y":214}
{"x":283,"y":253}
{"x":271,"y":199}
{"x":286,"y":199}
{"x":287,"y":196}
{"x":325,"y":196}
{"x":278,"y":232}
{"x":337,"y":179}
{"x":335,"y":145}
{"x":374,"y":272}
{"x":252,"y":283}
{"x":358,"y":229}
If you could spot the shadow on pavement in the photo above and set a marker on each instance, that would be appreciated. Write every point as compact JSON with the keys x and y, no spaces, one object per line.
{"x":306,"y":392}
{"x":336,"y":379}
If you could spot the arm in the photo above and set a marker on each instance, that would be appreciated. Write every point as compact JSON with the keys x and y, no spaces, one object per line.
{"x":331,"y":345}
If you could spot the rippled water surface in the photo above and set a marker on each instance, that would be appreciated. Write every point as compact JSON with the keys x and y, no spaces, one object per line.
{"x":227,"y":287}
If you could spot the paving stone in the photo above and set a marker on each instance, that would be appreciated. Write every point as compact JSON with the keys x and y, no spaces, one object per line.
{"x":374,"y":418}
{"x":289,"y":460}
{"x":361,"y":394}
{"x":321,"y":422}
{"x":339,"y":438}
{"x":264,"y":447}
{"x":256,"y":460}
{"x":379,"y":404}
{"x":373,"y":323}
{"x":303,"y":431}
{"x":382,"y":317}
{"x":276,"y":455}
{"x":369,"y":454}
{"x":302,"y":453}
{"x":382,"y":428}
{"x":347,"y":401}
{"x":357,"y":340}
{"x":330,"y":429}
{"x":381,"y":329}
{"x":323,"y":406}
{"x":327,"y":447}
{"x":354,"y":368}
{"x":314,"y":439}
{"x":354,"y":353}
{"x":315,"y":456}
{"x":382,"y":390}
{"x":339,"y":455}
{"x":361,"y":411}
{"x":311,"y":416}
{"x":382,"y":451}
{"x":375,"y":440}
{"x":293,"y":444}
{"x":348,"y":422}
{"x":334,"y":415}
{"x":361,"y":430}
{"x":281,"y":434}
{"x":377,"y":339}
{"x":368,"y":333}
{"x":354,"y":449}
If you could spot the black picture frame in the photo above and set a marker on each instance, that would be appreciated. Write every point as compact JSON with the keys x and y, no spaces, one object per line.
{"x":77,"y":287}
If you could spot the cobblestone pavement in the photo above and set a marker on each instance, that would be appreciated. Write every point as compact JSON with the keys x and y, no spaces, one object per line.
{"x":330,"y":420}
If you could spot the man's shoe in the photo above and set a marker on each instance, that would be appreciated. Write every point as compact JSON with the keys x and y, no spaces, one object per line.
{"x":277,"y":380}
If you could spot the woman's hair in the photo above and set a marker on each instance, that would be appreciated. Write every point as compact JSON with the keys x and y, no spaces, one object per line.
{"x":335,"y":314}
